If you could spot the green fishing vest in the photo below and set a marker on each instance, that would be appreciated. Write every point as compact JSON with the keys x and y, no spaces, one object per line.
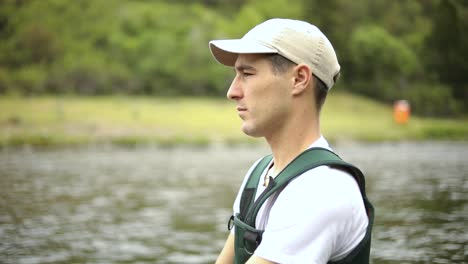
{"x":247,"y":237}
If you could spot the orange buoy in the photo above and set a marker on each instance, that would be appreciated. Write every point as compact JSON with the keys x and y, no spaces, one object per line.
{"x":401,"y":111}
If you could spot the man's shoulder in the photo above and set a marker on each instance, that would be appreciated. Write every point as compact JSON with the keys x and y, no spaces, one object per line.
{"x":322,"y":192}
{"x":325,"y":174}
{"x":324,"y":183}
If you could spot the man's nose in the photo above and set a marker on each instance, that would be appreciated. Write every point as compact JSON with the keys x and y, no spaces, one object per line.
{"x":235,"y":90}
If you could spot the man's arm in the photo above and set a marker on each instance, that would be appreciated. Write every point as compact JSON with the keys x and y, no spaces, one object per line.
{"x":258,"y":260}
{"x":227,"y":254}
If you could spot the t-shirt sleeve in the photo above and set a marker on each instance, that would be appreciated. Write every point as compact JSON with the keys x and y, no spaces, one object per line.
{"x":310,"y":217}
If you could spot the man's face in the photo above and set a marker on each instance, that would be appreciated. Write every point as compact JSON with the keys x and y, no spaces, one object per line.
{"x":263,"y":97}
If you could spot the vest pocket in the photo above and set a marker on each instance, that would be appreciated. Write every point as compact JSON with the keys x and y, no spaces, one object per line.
{"x":247,"y":240}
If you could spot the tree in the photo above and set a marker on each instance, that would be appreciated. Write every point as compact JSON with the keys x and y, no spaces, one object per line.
{"x":382,"y":65}
{"x":447,"y":47}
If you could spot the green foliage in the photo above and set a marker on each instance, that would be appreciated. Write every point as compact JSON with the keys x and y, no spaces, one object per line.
{"x":382,"y":64}
{"x":385,"y":48}
{"x":431,"y":100}
{"x":29,"y":80}
{"x":5,"y":81}
{"x":447,"y":46}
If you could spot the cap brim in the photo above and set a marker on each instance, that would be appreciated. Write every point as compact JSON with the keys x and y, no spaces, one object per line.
{"x":226,"y":51}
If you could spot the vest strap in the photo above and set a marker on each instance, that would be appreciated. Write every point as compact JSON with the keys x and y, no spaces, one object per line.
{"x":250,"y":189}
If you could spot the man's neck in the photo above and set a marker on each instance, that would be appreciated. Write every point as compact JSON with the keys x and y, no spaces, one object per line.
{"x":291,"y":141}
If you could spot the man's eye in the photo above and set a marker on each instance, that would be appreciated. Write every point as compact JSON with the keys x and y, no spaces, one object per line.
{"x":247,"y":73}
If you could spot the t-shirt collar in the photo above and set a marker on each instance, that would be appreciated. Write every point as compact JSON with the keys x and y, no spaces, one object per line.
{"x":321,"y":142}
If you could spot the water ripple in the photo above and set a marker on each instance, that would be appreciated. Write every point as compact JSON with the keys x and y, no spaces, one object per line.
{"x":150,"y":205}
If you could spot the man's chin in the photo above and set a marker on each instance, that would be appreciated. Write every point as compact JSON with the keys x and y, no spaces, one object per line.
{"x":250,"y":131}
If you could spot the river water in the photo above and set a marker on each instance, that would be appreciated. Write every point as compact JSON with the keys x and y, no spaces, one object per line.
{"x":171,"y":205}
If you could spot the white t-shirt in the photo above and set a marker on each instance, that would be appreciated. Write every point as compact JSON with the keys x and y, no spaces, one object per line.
{"x":319,"y":216}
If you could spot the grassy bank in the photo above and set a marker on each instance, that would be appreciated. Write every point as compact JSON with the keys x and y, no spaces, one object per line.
{"x":51,"y":121}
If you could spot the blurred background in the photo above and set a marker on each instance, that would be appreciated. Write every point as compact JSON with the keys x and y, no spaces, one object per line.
{"x":117,"y":145}
{"x":403,"y":49}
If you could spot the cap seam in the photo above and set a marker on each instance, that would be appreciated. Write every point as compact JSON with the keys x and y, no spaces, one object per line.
{"x":317,"y":59}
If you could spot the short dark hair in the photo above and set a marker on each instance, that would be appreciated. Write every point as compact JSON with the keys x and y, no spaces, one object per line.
{"x":280,"y":64}
{"x":321,"y":92}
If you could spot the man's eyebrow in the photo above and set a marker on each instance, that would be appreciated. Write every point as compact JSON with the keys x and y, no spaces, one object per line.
{"x":243,"y":67}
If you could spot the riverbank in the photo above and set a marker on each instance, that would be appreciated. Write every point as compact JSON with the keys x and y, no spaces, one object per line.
{"x":71,"y":120}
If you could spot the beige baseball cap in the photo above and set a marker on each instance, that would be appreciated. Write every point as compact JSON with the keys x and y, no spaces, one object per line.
{"x":298,"y":41}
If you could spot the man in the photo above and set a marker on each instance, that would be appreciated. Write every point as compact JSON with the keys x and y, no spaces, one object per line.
{"x":284,"y":69}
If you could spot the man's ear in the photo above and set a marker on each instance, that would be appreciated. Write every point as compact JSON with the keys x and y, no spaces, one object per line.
{"x":302,"y":78}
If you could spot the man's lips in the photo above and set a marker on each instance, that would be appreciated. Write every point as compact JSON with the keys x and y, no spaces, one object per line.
{"x":241,"y":111}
